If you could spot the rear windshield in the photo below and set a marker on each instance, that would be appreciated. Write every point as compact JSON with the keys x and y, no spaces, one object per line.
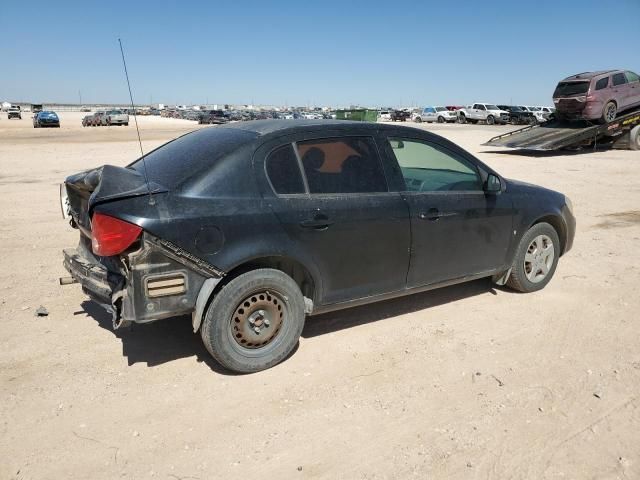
{"x":115,"y":112}
{"x":174,"y":162}
{"x":571,"y":88}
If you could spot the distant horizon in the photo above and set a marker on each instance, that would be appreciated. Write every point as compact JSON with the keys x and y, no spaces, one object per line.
{"x":284,"y":53}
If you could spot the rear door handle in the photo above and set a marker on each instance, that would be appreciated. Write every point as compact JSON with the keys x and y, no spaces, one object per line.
{"x":318,"y":222}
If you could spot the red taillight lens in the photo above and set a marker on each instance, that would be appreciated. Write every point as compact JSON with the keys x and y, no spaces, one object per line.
{"x":111,"y":236}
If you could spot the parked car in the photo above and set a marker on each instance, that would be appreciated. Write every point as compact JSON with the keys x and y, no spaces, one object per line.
{"x":117,"y":117}
{"x":483,"y":112}
{"x":518,"y":115}
{"x":399,"y":115}
{"x":537,"y":112}
{"x":435,"y":114}
{"x":99,"y":119}
{"x":46,"y":119}
{"x":251,"y":226}
{"x":216,"y":117}
{"x":597,"y":95}
{"x":384,"y":115}
{"x":14,"y":112}
{"x":87,"y":121}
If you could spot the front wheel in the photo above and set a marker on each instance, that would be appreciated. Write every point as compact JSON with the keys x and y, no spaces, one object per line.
{"x":418,"y":120}
{"x":491,"y":120}
{"x":462,"y":119}
{"x":536,"y":259}
{"x":254,"y":322}
{"x":440,"y":119}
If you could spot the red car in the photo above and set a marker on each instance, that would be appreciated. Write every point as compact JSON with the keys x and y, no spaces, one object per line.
{"x":597,"y":95}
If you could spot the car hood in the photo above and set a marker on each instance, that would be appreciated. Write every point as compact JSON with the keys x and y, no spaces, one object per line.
{"x":528,"y":189}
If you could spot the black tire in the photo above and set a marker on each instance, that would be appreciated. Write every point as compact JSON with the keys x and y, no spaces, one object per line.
{"x":126,"y":124}
{"x":609,"y":112}
{"x":221,"y":320}
{"x":440,"y":119}
{"x":462,"y":118}
{"x":518,"y":279}
{"x":533,"y":121}
{"x":418,"y":120}
{"x":634,"y":138}
{"x":491,"y":120}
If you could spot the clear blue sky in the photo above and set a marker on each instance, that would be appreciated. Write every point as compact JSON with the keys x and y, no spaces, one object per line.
{"x":302,"y":52}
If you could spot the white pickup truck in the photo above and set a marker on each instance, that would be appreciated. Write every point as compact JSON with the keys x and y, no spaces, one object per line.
{"x":483,"y":112}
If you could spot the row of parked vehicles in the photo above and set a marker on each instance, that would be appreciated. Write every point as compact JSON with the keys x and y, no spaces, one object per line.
{"x":106,"y":118}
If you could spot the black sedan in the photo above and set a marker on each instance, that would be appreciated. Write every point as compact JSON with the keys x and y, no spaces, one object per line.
{"x":518,"y":115}
{"x":46,"y":119}
{"x":249,"y":227}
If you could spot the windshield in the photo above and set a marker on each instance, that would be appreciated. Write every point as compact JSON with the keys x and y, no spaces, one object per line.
{"x":491,"y":107}
{"x":566,"y":89}
{"x":441,"y":109}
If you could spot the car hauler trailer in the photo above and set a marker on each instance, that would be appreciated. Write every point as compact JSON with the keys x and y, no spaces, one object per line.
{"x":622,"y":133}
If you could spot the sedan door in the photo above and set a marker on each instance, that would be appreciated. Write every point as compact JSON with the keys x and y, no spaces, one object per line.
{"x":340,"y":213}
{"x":457,"y":230}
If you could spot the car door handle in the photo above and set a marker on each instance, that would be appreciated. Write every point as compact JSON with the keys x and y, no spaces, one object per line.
{"x":319,"y":222}
{"x":433,"y":214}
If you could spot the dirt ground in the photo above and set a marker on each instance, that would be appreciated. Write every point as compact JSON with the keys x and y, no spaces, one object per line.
{"x":467,"y":382}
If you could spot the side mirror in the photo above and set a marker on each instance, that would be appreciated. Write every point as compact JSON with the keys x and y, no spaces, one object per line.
{"x":493,"y":185}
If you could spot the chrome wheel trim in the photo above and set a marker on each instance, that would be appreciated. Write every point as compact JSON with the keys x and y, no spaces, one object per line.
{"x":610,"y":113}
{"x":539,"y":258}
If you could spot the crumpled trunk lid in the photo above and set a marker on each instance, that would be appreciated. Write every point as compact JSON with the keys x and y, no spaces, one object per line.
{"x":92,"y":187}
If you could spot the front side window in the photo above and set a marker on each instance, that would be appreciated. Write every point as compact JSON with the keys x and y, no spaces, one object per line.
{"x":602,"y":83}
{"x":342,"y":165}
{"x":428,"y":167}
{"x":632,"y":77}
{"x":284,"y":172}
{"x":619,"y":79}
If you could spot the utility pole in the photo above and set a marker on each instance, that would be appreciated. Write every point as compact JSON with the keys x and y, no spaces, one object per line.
{"x":80,"y":95}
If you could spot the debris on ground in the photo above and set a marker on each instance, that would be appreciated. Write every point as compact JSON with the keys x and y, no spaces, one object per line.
{"x":41,"y":312}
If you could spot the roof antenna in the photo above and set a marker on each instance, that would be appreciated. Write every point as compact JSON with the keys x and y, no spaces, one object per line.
{"x":135,"y":119}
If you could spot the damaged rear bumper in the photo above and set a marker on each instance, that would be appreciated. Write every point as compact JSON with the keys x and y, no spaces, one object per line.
{"x":154,"y":282}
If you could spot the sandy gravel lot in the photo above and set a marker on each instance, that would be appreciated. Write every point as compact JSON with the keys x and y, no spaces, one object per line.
{"x":467,"y":382}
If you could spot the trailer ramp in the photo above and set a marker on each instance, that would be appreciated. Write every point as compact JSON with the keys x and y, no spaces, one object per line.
{"x":556,"y":135}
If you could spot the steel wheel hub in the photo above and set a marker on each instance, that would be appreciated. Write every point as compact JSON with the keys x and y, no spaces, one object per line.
{"x":539,"y":258}
{"x":258,"y":319}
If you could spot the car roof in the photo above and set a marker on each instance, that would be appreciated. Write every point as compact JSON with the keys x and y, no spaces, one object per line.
{"x":589,"y":75}
{"x":265,"y":127}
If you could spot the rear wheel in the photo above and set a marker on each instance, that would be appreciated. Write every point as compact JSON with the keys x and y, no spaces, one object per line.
{"x":418,"y":120}
{"x":609,"y":112}
{"x":440,"y":119}
{"x":254,"y":321}
{"x":533,"y":121}
{"x":536,"y":259}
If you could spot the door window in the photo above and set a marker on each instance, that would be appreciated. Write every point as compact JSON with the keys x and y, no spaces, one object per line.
{"x":283,"y":171}
{"x":632,"y":77}
{"x":619,"y":79}
{"x":342,"y":165}
{"x":429,"y":167}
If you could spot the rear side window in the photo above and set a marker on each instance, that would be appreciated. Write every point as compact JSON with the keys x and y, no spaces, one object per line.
{"x":619,"y":79}
{"x":602,"y":83}
{"x":284,"y":172}
{"x":342,"y":165}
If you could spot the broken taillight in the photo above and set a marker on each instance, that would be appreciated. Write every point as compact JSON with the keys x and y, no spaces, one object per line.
{"x":111,"y":236}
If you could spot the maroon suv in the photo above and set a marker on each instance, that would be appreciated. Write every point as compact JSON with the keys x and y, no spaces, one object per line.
{"x":597,"y":95}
